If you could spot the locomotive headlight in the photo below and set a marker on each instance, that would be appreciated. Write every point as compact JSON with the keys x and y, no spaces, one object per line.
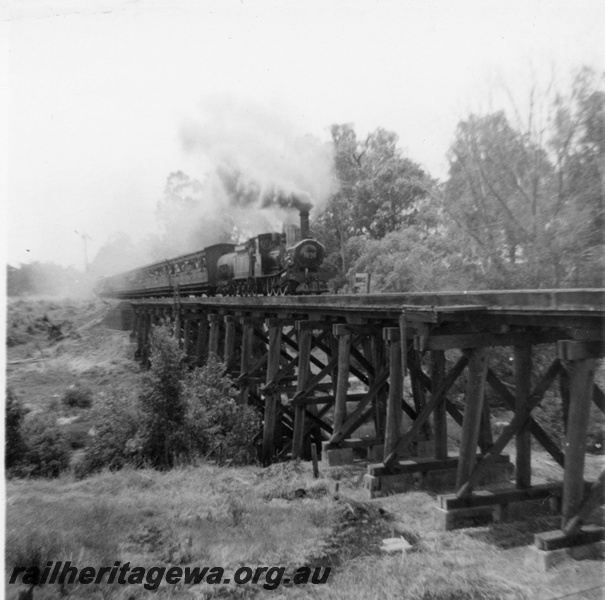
{"x":308,"y":254}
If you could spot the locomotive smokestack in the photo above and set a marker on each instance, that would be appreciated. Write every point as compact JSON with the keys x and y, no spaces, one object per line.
{"x":304,"y":224}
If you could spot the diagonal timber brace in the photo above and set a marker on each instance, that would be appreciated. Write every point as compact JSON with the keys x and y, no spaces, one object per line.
{"x":411,"y":433}
{"x":518,"y":421}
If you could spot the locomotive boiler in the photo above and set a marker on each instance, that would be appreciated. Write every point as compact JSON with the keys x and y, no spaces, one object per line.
{"x":267,"y":264}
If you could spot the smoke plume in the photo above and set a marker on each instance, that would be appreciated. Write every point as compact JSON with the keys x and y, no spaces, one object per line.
{"x":255,"y":175}
{"x":260,"y":162}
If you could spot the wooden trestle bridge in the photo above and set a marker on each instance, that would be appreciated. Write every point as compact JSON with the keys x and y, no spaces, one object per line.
{"x":322,"y":367}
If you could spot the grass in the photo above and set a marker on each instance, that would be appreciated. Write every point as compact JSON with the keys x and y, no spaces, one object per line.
{"x":202,"y":516}
{"x":466,"y":564}
{"x":230,"y":517}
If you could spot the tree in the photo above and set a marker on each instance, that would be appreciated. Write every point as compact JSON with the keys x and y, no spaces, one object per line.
{"x":163,"y":405}
{"x":413,"y":260}
{"x":530,"y":199}
{"x":577,"y":145}
{"x":379,"y":190}
{"x":495,"y":192}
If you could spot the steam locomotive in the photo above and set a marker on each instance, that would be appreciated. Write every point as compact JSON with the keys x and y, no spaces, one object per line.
{"x":269,"y":264}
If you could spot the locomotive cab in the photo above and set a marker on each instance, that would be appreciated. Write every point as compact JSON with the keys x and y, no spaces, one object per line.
{"x":270,"y":249}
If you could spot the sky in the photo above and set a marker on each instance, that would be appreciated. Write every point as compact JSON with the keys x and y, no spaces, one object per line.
{"x":98,"y":93}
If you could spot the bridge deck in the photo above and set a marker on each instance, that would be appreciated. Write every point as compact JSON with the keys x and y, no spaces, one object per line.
{"x":573,"y":302}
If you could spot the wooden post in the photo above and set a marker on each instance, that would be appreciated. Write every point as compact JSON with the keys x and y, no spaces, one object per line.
{"x":564,"y":393}
{"x":146,"y":336}
{"x":368,"y":347}
{"x":333,"y":343}
{"x":214,"y":334}
{"x":177,"y":325}
{"x":275,"y":334}
{"x":304,"y":355}
{"x":135,"y":326}
{"x":187,"y":334}
{"x":246,"y":360}
{"x":440,"y":414}
{"x":475,"y":393}
{"x":378,"y":361}
{"x":403,"y":334}
{"x":141,"y":324}
{"x":581,"y":379}
{"x":230,"y":321}
{"x":342,"y":384}
{"x":393,"y":429}
{"x":201,"y":344}
{"x":414,"y":357}
{"x":314,"y":459}
{"x":486,"y":439}
{"x":278,"y":443}
{"x":522,"y":366}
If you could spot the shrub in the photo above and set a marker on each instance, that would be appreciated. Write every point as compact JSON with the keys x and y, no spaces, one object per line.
{"x":78,"y":396}
{"x":216,"y":423}
{"x":162,"y":404}
{"x":77,"y":434}
{"x":47,"y":450}
{"x":14,"y":444}
{"x":116,"y":440}
{"x":174,"y":416}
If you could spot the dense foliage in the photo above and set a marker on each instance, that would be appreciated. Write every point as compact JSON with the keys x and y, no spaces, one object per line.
{"x":78,"y":396}
{"x":162,"y":403}
{"x":379,"y":191}
{"x":217,"y":424}
{"x":115,"y":443}
{"x":34,"y":448}
{"x":522,"y":206}
{"x":47,"y":451}
{"x":175,"y":417}
{"x":14,"y":443}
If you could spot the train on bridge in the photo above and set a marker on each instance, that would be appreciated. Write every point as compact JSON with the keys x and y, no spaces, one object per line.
{"x":269,"y":264}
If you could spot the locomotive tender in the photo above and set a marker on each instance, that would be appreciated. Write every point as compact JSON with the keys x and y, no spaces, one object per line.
{"x":267,"y":264}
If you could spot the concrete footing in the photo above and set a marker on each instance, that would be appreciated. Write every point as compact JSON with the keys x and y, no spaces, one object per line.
{"x":513,"y":503}
{"x":385,"y":485}
{"x":480,"y":515}
{"x":465,"y":517}
{"x":543,"y":560}
{"x":440,"y":479}
{"x":337,"y":457}
{"x":376,"y":453}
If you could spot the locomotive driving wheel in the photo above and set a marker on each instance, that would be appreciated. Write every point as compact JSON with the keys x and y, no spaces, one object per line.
{"x":265,"y":287}
{"x":272,"y":286}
